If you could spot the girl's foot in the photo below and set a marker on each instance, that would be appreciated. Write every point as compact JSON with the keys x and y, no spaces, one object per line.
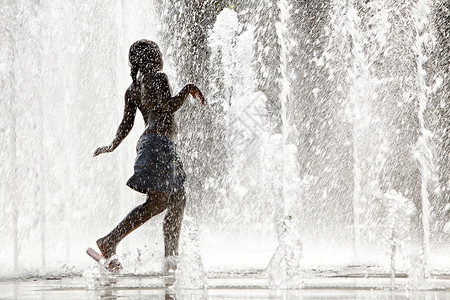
{"x":170,"y":264}
{"x":108,"y":250}
{"x":113,"y":266}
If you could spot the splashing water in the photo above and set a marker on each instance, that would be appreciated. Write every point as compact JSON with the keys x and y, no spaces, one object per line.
{"x":398,"y":224}
{"x":284,"y":269}
{"x":423,"y":152}
{"x":190,"y":273}
{"x":352,"y":86}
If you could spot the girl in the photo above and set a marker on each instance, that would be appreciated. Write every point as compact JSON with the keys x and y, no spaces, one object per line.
{"x":158,"y":171}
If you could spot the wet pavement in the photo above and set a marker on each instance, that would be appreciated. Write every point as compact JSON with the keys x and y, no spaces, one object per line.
{"x":223,"y":286}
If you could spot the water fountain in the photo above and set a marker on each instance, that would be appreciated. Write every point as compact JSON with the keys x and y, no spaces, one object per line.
{"x":424,"y":150}
{"x":314,"y":110}
{"x":190,"y":273}
{"x":286,"y":258}
{"x":398,"y":222}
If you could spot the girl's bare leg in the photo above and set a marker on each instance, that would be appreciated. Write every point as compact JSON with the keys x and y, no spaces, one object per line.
{"x":156,"y":203}
{"x":172,"y":223}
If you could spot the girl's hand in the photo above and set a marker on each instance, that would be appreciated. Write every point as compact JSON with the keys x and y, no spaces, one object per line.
{"x":197,"y":94}
{"x":104,"y":149}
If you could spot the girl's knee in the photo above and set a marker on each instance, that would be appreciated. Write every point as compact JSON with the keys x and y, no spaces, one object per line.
{"x":157,"y":198}
{"x":179,"y":197}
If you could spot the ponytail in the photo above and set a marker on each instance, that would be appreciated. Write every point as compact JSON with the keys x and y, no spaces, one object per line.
{"x":134,"y":72}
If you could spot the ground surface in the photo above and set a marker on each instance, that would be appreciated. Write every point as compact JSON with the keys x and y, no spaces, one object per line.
{"x":344,"y":283}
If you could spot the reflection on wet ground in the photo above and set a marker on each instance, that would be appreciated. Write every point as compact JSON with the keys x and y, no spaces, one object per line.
{"x":224,"y":286}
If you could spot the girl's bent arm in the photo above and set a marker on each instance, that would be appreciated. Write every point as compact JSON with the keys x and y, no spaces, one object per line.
{"x":127,"y":123}
{"x":125,"y":126}
{"x":172,"y":104}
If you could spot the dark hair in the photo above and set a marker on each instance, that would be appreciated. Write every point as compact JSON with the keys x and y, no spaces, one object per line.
{"x":144,"y":56}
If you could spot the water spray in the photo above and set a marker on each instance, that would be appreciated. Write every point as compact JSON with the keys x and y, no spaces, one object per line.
{"x":399,"y":211}
{"x":423,"y":152}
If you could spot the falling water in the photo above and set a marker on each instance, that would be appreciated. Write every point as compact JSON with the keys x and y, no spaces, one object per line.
{"x":356,"y":76}
{"x":51,"y":184}
{"x":424,"y":152}
{"x":282,"y":33}
{"x":284,"y":268}
{"x":342,"y":79}
{"x":9,"y":86}
{"x":190,"y":273}
{"x":360,"y":90}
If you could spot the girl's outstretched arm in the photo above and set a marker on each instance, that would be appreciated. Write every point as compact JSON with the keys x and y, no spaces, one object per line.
{"x":125,"y":126}
{"x":189,"y":89}
{"x":172,"y":104}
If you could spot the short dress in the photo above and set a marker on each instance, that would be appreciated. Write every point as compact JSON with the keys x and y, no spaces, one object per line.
{"x":157,"y":168}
